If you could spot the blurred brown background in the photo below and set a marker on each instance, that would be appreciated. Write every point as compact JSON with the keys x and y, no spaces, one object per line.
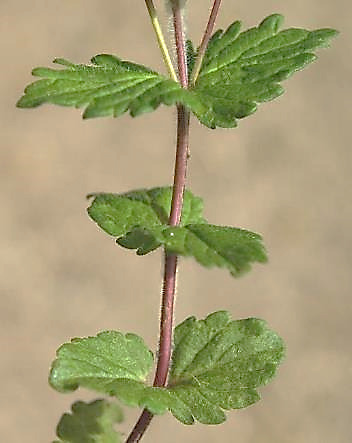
{"x":285,"y":173}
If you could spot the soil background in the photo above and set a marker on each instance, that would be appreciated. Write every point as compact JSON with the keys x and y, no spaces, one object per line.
{"x":285,"y":172}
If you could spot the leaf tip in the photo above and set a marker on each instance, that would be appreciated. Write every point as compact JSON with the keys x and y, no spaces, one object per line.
{"x":63,"y":62}
{"x":273,"y":21}
{"x":21,"y":103}
{"x":55,"y":379}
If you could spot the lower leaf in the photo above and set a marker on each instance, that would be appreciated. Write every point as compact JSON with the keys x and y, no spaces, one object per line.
{"x":95,"y":362}
{"x":90,"y":423}
{"x":217,"y":365}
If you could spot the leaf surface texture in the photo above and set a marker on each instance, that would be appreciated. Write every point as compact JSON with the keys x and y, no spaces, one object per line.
{"x":139,"y":221}
{"x":217,"y":365}
{"x":93,"y":362}
{"x":240,"y":70}
{"x":90,"y":423}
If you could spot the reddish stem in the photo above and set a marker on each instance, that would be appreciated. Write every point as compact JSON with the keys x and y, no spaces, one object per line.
{"x":166,"y":320}
{"x":180,"y":45}
{"x":170,"y":263}
{"x":206,"y":37}
{"x":140,"y":427}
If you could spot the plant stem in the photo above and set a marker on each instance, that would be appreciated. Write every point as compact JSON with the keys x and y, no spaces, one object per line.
{"x":160,"y":37}
{"x":180,"y":44}
{"x":206,"y":37}
{"x":170,"y":260}
{"x":166,"y":320}
{"x":140,"y":427}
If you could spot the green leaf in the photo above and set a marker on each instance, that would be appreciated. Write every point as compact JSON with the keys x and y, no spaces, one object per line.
{"x":241,"y":70}
{"x":94,"y":362}
{"x":221,"y":246}
{"x":139,"y":221}
{"x":217,"y":365}
{"x":117,"y":214}
{"x":90,"y":423}
{"x":191,"y":57}
{"x":106,"y":87}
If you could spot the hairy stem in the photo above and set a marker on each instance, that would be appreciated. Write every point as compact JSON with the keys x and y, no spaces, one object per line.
{"x":170,"y":261}
{"x":166,"y":320}
{"x":206,"y":37}
{"x":180,"y":44}
{"x":160,"y":37}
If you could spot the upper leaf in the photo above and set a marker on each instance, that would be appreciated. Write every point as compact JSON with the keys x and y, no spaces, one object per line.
{"x":107,"y":87}
{"x":191,"y":54}
{"x":90,"y":423}
{"x":139,"y":221}
{"x":94,"y":362}
{"x":242,"y":69}
{"x":239,"y":71}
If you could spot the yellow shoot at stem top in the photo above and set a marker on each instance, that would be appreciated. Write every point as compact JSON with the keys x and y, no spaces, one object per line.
{"x":161,"y":40}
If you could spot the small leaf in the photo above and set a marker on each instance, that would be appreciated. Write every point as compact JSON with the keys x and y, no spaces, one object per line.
{"x":191,"y":57}
{"x":94,"y":362}
{"x":221,"y":246}
{"x":217,"y":365}
{"x":117,"y":214}
{"x":139,"y":221}
{"x":242,"y":69}
{"x":90,"y":423}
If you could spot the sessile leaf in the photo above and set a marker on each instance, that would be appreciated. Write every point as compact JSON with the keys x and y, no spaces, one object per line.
{"x":219,"y":362}
{"x":239,"y":71}
{"x":119,"y":213}
{"x":220,"y":246}
{"x":90,"y":423}
{"x":217,"y":365}
{"x":94,"y":362}
{"x":243,"y":69}
{"x":108,"y":86}
{"x":139,"y":221}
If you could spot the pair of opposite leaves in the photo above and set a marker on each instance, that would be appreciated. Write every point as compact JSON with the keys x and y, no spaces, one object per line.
{"x":239,"y":70}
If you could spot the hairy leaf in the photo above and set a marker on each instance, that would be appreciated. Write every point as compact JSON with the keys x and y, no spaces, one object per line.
{"x":117,"y":214}
{"x":239,"y":71}
{"x":191,"y":57}
{"x":94,"y":362}
{"x":108,"y":86}
{"x":139,"y":221}
{"x":90,"y":423}
{"x":221,"y":246}
{"x":217,"y":365}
